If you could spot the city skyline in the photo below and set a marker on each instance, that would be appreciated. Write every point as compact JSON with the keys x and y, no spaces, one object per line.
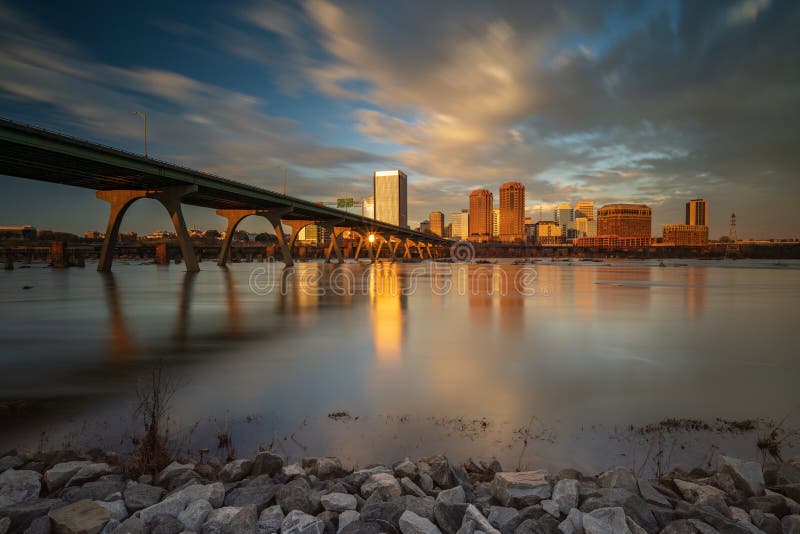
{"x":267,"y":91}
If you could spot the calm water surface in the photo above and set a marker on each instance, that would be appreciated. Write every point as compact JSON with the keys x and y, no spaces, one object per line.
{"x":587,"y":350}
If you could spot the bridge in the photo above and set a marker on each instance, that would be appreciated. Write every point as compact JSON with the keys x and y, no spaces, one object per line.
{"x":121,"y":178}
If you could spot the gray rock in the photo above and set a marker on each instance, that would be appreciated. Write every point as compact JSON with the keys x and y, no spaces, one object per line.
{"x":384,"y":483}
{"x":170,"y":507}
{"x":411,"y":523}
{"x":409,"y":469}
{"x":19,"y":486}
{"x":383,"y":512}
{"x":219,"y":518}
{"x":694,"y":492}
{"x":323,"y":467}
{"x":213,"y":493}
{"x":5,"y":524}
{"x":573,"y":524}
{"x":171,"y":471}
{"x":79,"y":517}
{"x":40,"y":525}
{"x":292,"y":470}
{"x":296,"y":495}
{"x":481,"y":523}
{"x":99,"y":490}
{"x":449,"y":517}
{"x":236,"y":470}
{"x":22,"y":514}
{"x":786,"y":473}
{"x":297,"y":522}
{"x":57,"y":476}
{"x":422,"y":506}
{"x":347,"y":517}
{"x":633,"y":504}
{"x":650,"y":494}
{"x":109,"y":527}
{"x":117,"y":509}
{"x":195,"y":514}
{"x":769,"y":523}
{"x":338,"y":502}
{"x":566,"y":494}
{"x":454,"y":495}
{"x":10,"y":462}
{"x":426,"y":482}
{"x":438,"y":467}
{"x":618,"y":477}
{"x":266,"y":463}
{"x":244,"y":522}
{"x":411,"y":488}
{"x":634,"y":527}
{"x":165,"y":524}
{"x":499,"y":516}
{"x":90,"y":472}
{"x":679,"y":526}
{"x":132,"y":525}
{"x":791,"y":524}
{"x":551,"y":507}
{"x":770,"y":504}
{"x":747,"y":476}
{"x":140,"y":496}
{"x":605,"y":521}
{"x":521,"y":489}
{"x":361,"y":476}
{"x":270,"y":520}
{"x":703,"y":528}
{"x":260,"y":496}
{"x":537,"y":526}
{"x":362,"y":527}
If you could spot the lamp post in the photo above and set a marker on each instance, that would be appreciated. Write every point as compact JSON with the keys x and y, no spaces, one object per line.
{"x":144,"y":118}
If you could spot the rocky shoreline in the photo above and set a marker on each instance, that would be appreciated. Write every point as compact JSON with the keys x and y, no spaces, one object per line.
{"x":65,"y":492}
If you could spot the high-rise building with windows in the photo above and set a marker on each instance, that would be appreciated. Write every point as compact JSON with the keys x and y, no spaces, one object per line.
{"x":459,"y":225}
{"x":496,"y":222}
{"x":481,"y":202}
{"x":391,"y":197}
{"x":437,"y":223}
{"x":624,"y":220}
{"x":697,"y":212}
{"x":512,"y":212}
{"x":683,"y":235}
{"x":585,"y":208}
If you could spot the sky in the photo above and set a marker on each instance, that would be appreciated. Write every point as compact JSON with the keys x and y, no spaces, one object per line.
{"x":613,"y":101}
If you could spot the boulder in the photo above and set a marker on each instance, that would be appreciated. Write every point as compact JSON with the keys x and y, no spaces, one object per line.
{"x":521,"y":489}
{"x":324,"y":467}
{"x":411,"y":523}
{"x":165,"y":524}
{"x":296,"y":495}
{"x":218,"y":519}
{"x":140,"y":496}
{"x":791,"y":524}
{"x":411,"y":488}
{"x":235,"y":471}
{"x":449,"y":517}
{"x":481,"y":523}
{"x":769,"y":523}
{"x":90,"y":472}
{"x":5,"y":524}
{"x":19,"y":486}
{"x":406,"y":468}
{"x":650,"y":494}
{"x":41,"y":525}
{"x":213,"y":493}
{"x":270,"y":520}
{"x":347,"y":517}
{"x":747,"y":476}
{"x":618,"y":477}
{"x":565,"y":494}
{"x":266,"y":463}
{"x":634,"y":506}
{"x":770,"y":504}
{"x":259,"y":496}
{"x":99,"y":490}
{"x":605,"y":521}
{"x":57,"y":476}
{"x":298,"y":522}
{"x":454,"y":495}
{"x":573,"y":524}
{"x":361,"y":476}
{"x":170,"y":507}
{"x":292,"y":470}
{"x":10,"y":462}
{"x":338,"y":502}
{"x":551,"y":507}
{"x":381,"y":482}
{"x":117,"y":509}
{"x":82,"y":517}
{"x":243,"y":522}
{"x":384,"y":513}
{"x":422,"y":506}
{"x":499,"y":516}
{"x":171,"y":471}
{"x":693,"y":492}
{"x":132,"y":525}
{"x":438,"y":467}
{"x":195,"y":514}
{"x":22,"y":514}
{"x":426,"y":482}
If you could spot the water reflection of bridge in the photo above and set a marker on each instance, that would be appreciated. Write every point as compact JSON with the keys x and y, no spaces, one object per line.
{"x":121,"y":178}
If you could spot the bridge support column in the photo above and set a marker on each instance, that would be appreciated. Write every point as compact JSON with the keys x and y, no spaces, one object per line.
{"x":394,"y":248}
{"x":406,"y":250}
{"x":428,"y":248}
{"x":274,"y":217}
{"x":121,"y":200}
{"x":333,"y":246}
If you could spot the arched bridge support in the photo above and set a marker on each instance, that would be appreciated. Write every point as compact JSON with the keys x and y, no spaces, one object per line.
{"x":333,"y":246}
{"x":237,"y":216}
{"x":121,"y":200}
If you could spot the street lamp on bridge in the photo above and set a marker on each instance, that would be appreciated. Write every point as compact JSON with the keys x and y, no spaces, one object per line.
{"x":143,"y":115}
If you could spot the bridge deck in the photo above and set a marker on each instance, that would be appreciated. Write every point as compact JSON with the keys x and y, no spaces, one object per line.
{"x":37,"y":154}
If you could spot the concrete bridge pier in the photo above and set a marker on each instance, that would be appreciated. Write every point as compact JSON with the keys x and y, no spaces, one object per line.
{"x":274,"y":216}
{"x":333,"y":246}
{"x":121,"y":200}
{"x":362,"y":240}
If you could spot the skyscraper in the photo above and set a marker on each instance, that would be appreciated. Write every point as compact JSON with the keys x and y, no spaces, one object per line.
{"x":697,"y":212}
{"x":368,"y":207}
{"x":624,"y":220}
{"x":585,"y":208}
{"x":459,"y":225}
{"x":437,"y":223}
{"x":480,"y":214}
{"x":391,"y":197}
{"x":512,"y":212}
{"x":496,"y":222}
{"x":563,"y":215}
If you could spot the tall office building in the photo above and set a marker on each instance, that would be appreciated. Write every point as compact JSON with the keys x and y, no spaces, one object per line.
{"x":697,"y":212}
{"x":437,"y":223}
{"x":496,"y":222}
{"x":585,"y":227}
{"x":459,"y":225}
{"x":368,"y":207}
{"x":512,"y":212}
{"x":585,"y":208}
{"x":624,"y":220}
{"x":481,"y":202}
{"x":391,"y":197}
{"x":563,"y":215}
